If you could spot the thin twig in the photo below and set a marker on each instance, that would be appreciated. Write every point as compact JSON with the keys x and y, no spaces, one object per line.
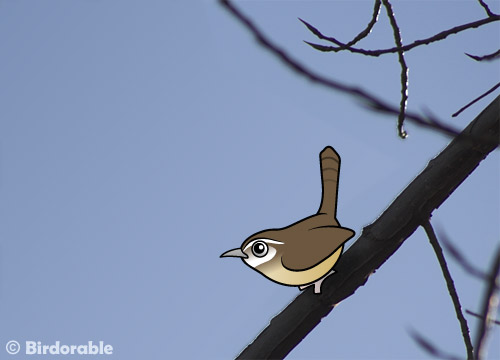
{"x":404,"y":68}
{"x":372,"y":101}
{"x":489,"y":307}
{"x":496,"y":322}
{"x":364,"y":33}
{"x":369,"y":27}
{"x":461,"y":259}
{"x":487,"y":57}
{"x":486,"y":8}
{"x":427,"y":121}
{"x":430,"y":348}
{"x":437,"y":37}
{"x":476,"y":99}
{"x":451,"y":287}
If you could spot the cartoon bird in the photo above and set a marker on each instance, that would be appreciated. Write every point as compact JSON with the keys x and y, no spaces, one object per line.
{"x":303,"y":253}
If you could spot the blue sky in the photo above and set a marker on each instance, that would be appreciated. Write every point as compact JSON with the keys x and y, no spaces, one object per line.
{"x":141,"y":139}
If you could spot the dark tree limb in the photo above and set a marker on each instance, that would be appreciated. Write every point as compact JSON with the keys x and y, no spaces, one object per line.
{"x":382,"y":238}
{"x":437,"y":37}
{"x":489,"y":307}
{"x":487,"y":57}
{"x":451,"y":288}
{"x":404,"y":68}
{"x":476,"y":99}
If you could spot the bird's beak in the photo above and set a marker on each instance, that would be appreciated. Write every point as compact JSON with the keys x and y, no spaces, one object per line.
{"x":235,"y":253}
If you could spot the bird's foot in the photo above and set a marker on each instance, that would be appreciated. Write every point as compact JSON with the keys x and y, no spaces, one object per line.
{"x":317,"y":284}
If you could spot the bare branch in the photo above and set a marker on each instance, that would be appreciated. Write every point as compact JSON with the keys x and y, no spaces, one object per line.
{"x":487,"y":57}
{"x":461,"y":259}
{"x":486,"y":8}
{"x":451,"y":288}
{"x":476,"y":100}
{"x":489,"y":307}
{"x":372,"y":101}
{"x":496,"y":322}
{"x":357,"y":38}
{"x":426,"y":121}
{"x":430,"y":348}
{"x":381,"y":239}
{"x":369,"y":27}
{"x":404,"y":68}
{"x":437,"y":37}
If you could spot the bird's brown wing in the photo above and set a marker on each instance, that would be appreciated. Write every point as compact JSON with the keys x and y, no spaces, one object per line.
{"x":310,"y":247}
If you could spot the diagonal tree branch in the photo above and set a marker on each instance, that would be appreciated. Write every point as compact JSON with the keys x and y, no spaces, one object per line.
{"x":382,"y":238}
{"x":476,"y":99}
{"x":451,"y":288}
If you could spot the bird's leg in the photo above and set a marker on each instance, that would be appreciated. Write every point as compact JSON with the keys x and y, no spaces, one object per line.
{"x":317,"y":284}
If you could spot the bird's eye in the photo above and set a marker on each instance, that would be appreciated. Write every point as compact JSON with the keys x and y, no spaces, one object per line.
{"x":260,"y":249}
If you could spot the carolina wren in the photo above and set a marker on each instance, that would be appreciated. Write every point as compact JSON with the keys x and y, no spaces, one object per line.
{"x":303,"y":253}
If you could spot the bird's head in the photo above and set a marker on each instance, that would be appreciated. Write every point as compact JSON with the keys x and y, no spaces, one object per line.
{"x":258,"y":250}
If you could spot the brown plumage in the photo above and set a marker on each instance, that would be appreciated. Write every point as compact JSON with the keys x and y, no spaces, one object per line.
{"x":305,"y":251}
{"x":308,"y":241}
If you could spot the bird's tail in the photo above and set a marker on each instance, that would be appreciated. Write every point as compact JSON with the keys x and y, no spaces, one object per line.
{"x":330,"y":166}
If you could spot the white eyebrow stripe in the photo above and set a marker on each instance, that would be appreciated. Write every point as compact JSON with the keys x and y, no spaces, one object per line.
{"x":269,"y":241}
